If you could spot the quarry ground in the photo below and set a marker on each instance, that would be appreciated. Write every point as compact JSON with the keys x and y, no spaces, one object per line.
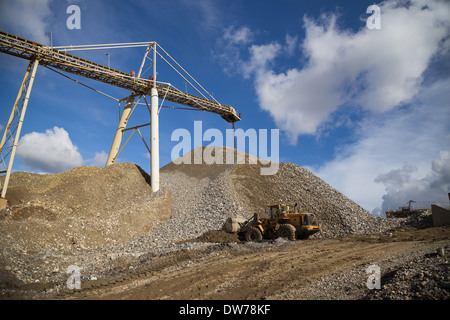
{"x":106,"y":228}
{"x":414,"y":264}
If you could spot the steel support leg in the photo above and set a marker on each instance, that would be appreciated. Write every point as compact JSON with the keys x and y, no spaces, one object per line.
{"x":154,"y":133}
{"x":14,"y":124}
{"x":120,"y":129}
{"x":154,"y":143}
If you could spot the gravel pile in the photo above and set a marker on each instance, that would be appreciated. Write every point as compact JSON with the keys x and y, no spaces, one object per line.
{"x":418,"y":275}
{"x":100,"y":217}
{"x":422,"y":276}
{"x":204,"y":196}
{"x":76,"y":217}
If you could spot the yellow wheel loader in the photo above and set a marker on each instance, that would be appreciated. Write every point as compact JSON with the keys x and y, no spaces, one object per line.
{"x":280,"y":222}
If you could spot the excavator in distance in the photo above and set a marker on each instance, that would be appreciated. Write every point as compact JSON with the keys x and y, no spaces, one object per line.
{"x":281,"y":222}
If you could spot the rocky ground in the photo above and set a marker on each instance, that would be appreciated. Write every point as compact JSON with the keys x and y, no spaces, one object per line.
{"x":109,"y":223}
{"x":413,"y":266}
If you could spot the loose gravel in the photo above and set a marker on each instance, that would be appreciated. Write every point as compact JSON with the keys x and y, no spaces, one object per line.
{"x":101,"y":218}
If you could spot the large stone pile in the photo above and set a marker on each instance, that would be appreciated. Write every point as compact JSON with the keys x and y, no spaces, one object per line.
{"x":96,"y":216}
{"x":203,"y":196}
{"x":84,"y":206}
{"x":91,"y":206}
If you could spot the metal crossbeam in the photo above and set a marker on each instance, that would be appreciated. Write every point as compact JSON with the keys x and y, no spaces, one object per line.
{"x":47,"y":56}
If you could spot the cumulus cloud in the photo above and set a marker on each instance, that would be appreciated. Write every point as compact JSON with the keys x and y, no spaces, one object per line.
{"x":397,"y":178}
{"x":261,"y":58}
{"x":400,"y":124}
{"x":399,"y":156}
{"x":291,"y":44}
{"x":238,"y":54}
{"x":242,"y":35}
{"x":99,"y":159}
{"x":231,"y":46}
{"x":27,"y":18}
{"x":402,"y":187}
{"x":376,"y":70}
{"x":49,"y":152}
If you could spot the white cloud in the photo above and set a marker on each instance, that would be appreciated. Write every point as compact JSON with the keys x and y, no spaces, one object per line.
{"x":402,"y":187}
{"x":229,"y":48}
{"x":236,"y":44}
{"x":398,"y":155}
{"x":397,"y":178}
{"x":261,"y":57}
{"x":100,"y":159}
{"x":376,"y":70}
{"x":49,"y":152}
{"x":29,"y":19}
{"x":235,"y":35}
{"x":204,"y":12}
{"x":376,"y":76}
{"x":291,"y":44}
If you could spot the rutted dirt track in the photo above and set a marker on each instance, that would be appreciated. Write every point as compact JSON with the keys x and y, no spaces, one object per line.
{"x":272,"y":270}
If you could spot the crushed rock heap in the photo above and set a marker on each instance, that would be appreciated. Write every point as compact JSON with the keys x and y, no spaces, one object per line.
{"x":98,"y":217}
{"x":203,"y":196}
{"x":84,"y":206}
{"x":89,"y":206}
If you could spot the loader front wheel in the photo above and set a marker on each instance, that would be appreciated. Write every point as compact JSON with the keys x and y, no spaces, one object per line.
{"x":253,"y":234}
{"x":287,"y":231}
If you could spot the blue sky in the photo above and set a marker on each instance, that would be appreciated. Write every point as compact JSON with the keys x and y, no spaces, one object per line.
{"x":365,"y":110}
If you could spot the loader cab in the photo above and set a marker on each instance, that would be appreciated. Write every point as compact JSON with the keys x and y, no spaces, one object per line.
{"x":284,"y":210}
{"x":274,"y":212}
{"x":278,"y":210}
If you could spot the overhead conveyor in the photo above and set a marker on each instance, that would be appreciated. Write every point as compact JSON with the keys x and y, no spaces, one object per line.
{"x":59,"y":58}
{"x":64,"y":61}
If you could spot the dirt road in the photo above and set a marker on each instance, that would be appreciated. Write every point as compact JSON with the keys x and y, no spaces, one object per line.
{"x":309,"y":269}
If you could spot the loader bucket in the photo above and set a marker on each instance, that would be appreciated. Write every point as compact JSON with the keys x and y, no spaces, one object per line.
{"x":233,"y":225}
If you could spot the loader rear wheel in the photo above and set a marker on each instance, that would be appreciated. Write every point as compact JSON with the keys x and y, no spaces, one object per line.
{"x":287,"y":231}
{"x":253,"y":234}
